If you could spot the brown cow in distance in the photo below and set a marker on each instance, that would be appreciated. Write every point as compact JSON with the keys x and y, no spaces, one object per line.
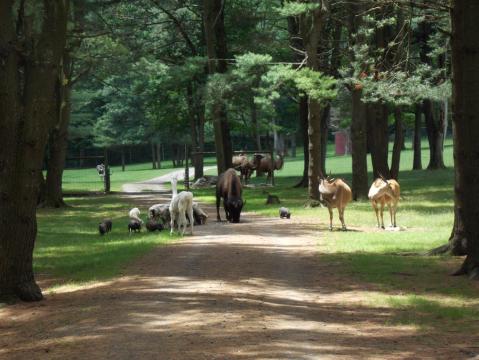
{"x":229,"y":188}
{"x":335,"y":193}
{"x":263,"y":164}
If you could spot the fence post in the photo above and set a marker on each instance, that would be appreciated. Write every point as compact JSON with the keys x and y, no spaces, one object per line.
{"x":106,"y":178}
{"x":187,"y":170}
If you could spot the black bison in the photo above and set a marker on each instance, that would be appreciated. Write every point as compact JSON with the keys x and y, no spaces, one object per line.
{"x":105,"y":226}
{"x":229,"y":188}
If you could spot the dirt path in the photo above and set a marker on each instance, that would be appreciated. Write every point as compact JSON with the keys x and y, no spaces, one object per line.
{"x":254,"y":290}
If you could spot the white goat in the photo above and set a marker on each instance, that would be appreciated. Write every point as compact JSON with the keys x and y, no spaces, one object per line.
{"x":180,"y":205}
{"x":135,"y":215}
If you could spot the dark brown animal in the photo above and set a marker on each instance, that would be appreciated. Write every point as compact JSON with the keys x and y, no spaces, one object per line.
{"x":229,"y":188}
{"x":335,"y":193}
{"x":263,"y":164}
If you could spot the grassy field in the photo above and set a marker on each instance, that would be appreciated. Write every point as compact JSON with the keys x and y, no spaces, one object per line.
{"x":69,"y":248}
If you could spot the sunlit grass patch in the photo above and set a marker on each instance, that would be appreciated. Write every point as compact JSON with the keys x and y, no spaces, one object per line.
{"x":425,"y":311}
{"x":69,"y":246}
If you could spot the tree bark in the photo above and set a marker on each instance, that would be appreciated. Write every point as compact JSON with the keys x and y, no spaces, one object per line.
{"x":465,"y":60}
{"x":417,"y":162}
{"x":27,"y":106}
{"x":435,"y":135}
{"x":359,"y":147}
{"x":58,"y":141}
{"x":398,"y":143}
{"x":310,"y":28}
{"x":215,"y":37}
{"x":158,"y":155}
{"x":293,"y":145}
{"x":199,"y":164}
{"x":153,"y":154}
{"x":255,"y":125}
{"x":122,"y":150}
{"x":325,"y":116}
{"x":378,"y":139}
{"x":303,"y":117}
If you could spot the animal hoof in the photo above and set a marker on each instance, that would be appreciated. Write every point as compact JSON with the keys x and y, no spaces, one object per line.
{"x":344,"y":228}
{"x":330,"y":228}
{"x":382,"y":227}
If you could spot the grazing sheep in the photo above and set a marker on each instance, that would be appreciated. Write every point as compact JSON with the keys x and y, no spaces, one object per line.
{"x":180,"y":205}
{"x":105,"y":226}
{"x":134,"y":214}
{"x":384,"y":192}
{"x":152,"y":225}
{"x":284,"y":213}
{"x":134,"y":226}
{"x":199,"y":214}
{"x":161,"y":213}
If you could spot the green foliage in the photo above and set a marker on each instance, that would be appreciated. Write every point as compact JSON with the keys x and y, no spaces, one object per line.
{"x":294,"y":8}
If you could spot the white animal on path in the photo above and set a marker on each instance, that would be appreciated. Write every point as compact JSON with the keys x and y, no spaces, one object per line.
{"x":180,"y":204}
{"x":135,"y":215}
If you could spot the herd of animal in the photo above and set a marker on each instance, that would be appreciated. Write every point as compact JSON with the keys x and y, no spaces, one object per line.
{"x":335,"y":193}
{"x":182,"y":211}
{"x":261,"y":163}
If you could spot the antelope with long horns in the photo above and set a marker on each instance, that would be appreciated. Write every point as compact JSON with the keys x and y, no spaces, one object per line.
{"x":334,"y":193}
{"x":384,"y":192}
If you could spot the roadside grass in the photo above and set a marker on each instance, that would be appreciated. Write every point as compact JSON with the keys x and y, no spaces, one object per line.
{"x":416,"y":288}
{"x":70,"y":249}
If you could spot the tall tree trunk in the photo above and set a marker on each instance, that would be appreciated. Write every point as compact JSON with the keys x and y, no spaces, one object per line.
{"x":359,"y":147}
{"x":158,"y":155}
{"x":378,"y":139}
{"x":325,"y":116}
{"x":435,"y":135}
{"x":465,"y":60}
{"x":58,"y":141}
{"x":254,"y":124}
{"x":310,"y":28}
{"x":417,"y":163}
{"x":398,"y":141}
{"x":215,"y":37}
{"x":58,"y":144}
{"x":153,"y":154}
{"x":27,"y":109}
{"x":293,"y":145}
{"x":303,"y":117}
{"x":199,"y":164}
{"x":122,"y":150}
